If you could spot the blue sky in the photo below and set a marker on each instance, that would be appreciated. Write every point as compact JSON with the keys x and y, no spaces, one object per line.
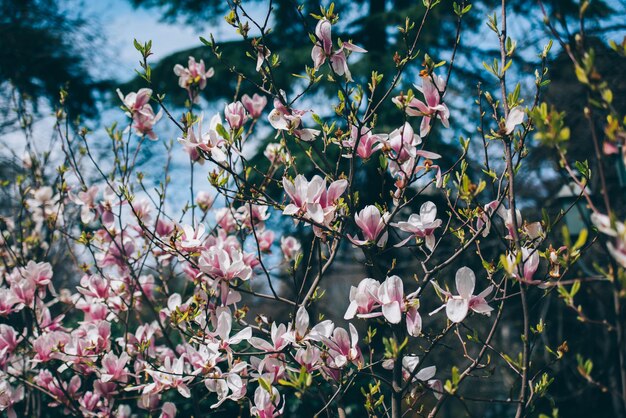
{"x":120,"y":23}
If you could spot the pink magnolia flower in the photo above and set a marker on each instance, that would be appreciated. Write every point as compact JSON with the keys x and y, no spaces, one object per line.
{"x":267,"y":405}
{"x":194,"y":76}
{"x":254,"y":105}
{"x":343,"y":348}
{"x":277,"y":335}
{"x":10,"y":396}
{"x":140,"y":111}
{"x":192,"y":239}
{"x":94,"y":286}
{"x":210,"y":142}
{"x":223,"y":329}
{"x":391,"y":297}
{"x":235,"y":114}
{"x":324,"y":45}
{"x":225,"y":219}
{"x":403,"y":142}
{"x":301,"y":332}
{"x":220,"y":264}
{"x":530,"y":264}
{"x":413,"y":318}
{"x":285,"y":119}
{"x":373,"y":225}
{"x":311,"y":199}
{"x":144,"y":121}
{"x":265,"y":239}
{"x":363,"y":298}
{"x":8,"y":342}
{"x":114,"y":367}
{"x":229,"y":386}
{"x":433,"y":106}
{"x":22,"y":287}
{"x":204,"y":200}
{"x":8,"y":302}
{"x":290,"y":247}
{"x":46,"y":345}
{"x":457,"y":306}
{"x":168,"y":410}
{"x":276,"y":153}
{"x":262,"y":53}
{"x":323,"y":49}
{"x":86,"y":199}
{"x":366,"y":142}
{"x":422,"y":225}
{"x":310,"y":357}
{"x":135,"y":102}
{"x":169,"y":376}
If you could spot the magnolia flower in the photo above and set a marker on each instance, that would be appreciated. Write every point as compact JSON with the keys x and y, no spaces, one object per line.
{"x":433,"y":106}
{"x":168,"y":410}
{"x":290,"y":247}
{"x":134,"y":102}
{"x":86,"y":199}
{"x":425,"y":374}
{"x":139,"y":109}
{"x":219,"y":264}
{"x":389,"y":296}
{"x":323,"y":46}
{"x":301,"y":332}
{"x":144,"y":121}
{"x":403,"y":142}
{"x":262,"y":54}
{"x":617,"y":230}
{"x":311,"y":199}
{"x":235,"y":114}
{"x":366,"y":143}
{"x":254,"y":105}
{"x":530,"y":263}
{"x":265,"y":240}
{"x":422,"y":225}
{"x":457,"y":306}
{"x":210,"y":142}
{"x":8,"y":342}
{"x":323,"y":49}
{"x":373,"y":226}
{"x":277,"y":335}
{"x":113,"y":367}
{"x":363,"y":298}
{"x":343,"y":347}
{"x":267,"y":405}
{"x":192,"y":239}
{"x":194,"y":76}
{"x":170,"y":375}
{"x":224,"y":327}
{"x":276,"y":153}
{"x":204,"y":200}
{"x":515,"y":117}
{"x":10,"y":396}
{"x":284,"y":119}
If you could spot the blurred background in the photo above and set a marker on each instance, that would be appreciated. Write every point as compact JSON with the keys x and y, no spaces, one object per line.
{"x":86,"y":47}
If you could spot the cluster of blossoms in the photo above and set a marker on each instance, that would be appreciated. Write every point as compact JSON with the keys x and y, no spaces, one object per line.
{"x":155,"y":316}
{"x":139,"y":109}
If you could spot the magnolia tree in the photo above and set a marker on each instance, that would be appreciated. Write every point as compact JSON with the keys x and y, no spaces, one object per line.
{"x":113,"y":305}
